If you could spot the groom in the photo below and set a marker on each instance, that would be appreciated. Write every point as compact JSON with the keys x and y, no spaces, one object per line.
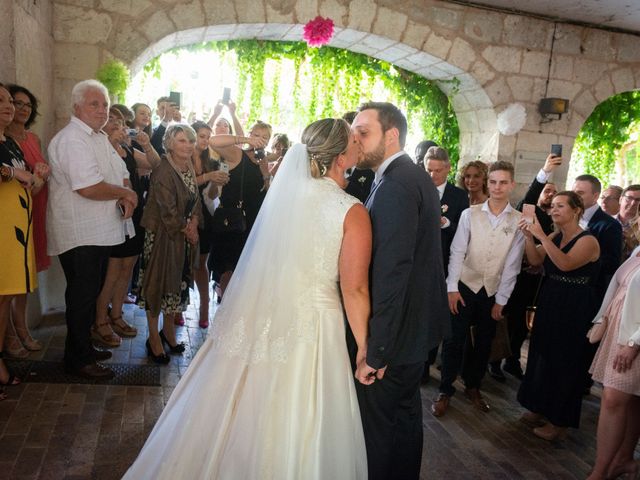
{"x":408,"y":293}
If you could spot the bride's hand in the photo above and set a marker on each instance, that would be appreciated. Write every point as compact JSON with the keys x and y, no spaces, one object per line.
{"x":365,"y":374}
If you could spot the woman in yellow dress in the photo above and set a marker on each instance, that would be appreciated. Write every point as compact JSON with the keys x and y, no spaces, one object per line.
{"x":18,"y":265}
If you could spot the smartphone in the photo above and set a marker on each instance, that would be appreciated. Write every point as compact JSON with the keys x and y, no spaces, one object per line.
{"x":528,"y":212}
{"x":556,"y":149}
{"x":224,"y":167}
{"x":175,"y":98}
{"x":226,"y":95}
{"x":121,"y":208}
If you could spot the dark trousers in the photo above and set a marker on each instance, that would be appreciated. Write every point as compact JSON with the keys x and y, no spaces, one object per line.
{"x":391,"y":412}
{"x":469,"y":346}
{"x":522,"y":296}
{"x":84,"y":269}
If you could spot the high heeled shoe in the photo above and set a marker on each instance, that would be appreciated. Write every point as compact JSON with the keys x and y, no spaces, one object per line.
{"x":30,"y":343}
{"x":203,"y":322}
{"x":162,"y":359}
{"x":11,"y":378}
{"x":178,"y":348}
{"x":178,"y":319}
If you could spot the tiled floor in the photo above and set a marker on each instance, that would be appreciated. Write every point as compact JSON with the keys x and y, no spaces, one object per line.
{"x":56,"y":431}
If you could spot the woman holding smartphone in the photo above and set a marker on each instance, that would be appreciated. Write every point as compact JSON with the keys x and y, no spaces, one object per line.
{"x":110,"y":325}
{"x":249,"y":180}
{"x":552,"y":387}
{"x":209,"y":176}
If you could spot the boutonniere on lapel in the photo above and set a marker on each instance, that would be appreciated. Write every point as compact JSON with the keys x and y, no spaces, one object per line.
{"x":362,"y":179}
{"x":444,"y":208}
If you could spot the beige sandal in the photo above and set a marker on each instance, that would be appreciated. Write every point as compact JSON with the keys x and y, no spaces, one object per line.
{"x":28,"y":341}
{"x":14,"y":349}
{"x":122,"y":328}
{"x":103,"y":335}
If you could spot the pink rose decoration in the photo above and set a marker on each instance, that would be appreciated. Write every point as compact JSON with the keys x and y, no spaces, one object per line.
{"x":318,"y":31}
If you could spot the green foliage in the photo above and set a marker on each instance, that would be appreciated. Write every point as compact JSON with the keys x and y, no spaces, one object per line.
{"x":115,"y":76}
{"x":153,"y":68}
{"x":604,"y":133}
{"x":339,"y":80}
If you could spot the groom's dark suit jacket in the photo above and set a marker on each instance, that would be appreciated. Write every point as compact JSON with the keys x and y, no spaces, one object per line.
{"x":410,"y":314}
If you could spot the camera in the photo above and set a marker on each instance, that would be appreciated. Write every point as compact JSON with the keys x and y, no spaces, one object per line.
{"x":259,"y":153}
{"x":131,"y":132}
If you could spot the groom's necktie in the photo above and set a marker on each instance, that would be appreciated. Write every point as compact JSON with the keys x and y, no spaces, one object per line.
{"x":374,"y":186}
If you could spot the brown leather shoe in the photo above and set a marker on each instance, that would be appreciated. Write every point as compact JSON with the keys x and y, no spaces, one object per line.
{"x":94,"y":371}
{"x":440,"y":405}
{"x":474,"y":395}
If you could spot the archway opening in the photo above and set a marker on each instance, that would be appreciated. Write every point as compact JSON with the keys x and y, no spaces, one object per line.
{"x":289,"y":85}
{"x":608,"y":144}
{"x":471,"y":104}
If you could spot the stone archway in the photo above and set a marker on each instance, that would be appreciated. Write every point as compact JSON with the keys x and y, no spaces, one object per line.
{"x":471,"y":103}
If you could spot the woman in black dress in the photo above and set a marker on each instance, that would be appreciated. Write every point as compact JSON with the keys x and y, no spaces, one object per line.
{"x":206,"y":164}
{"x":553,"y":382}
{"x":249,"y":180}
{"x":109,"y":327}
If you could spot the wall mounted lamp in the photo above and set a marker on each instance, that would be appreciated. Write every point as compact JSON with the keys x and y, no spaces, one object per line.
{"x":553,"y":106}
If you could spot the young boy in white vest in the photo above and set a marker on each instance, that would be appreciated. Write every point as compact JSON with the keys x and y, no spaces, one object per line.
{"x":486,"y":254}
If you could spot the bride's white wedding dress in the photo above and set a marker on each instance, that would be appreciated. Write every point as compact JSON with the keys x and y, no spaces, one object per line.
{"x":270,"y":393}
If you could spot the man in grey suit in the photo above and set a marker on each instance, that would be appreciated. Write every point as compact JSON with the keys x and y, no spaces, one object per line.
{"x":408,"y":293}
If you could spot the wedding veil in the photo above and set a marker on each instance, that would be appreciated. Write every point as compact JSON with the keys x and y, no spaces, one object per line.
{"x":264,"y":311}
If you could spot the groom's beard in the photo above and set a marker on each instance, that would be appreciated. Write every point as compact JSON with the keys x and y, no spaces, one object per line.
{"x":374,"y":158}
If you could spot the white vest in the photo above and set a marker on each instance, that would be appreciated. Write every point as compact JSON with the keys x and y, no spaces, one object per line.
{"x":487,"y":250}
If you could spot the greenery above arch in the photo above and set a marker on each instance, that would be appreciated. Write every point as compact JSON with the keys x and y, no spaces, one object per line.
{"x":603,"y":146}
{"x":329,"y":82}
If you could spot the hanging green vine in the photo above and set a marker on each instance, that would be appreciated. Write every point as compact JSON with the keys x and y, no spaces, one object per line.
{"x":605,"y":132}
{"x":339,"y":81}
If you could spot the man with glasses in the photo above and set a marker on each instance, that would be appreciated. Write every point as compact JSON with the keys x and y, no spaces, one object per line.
{"x":628,"y":218}
{"x":609,"y":200}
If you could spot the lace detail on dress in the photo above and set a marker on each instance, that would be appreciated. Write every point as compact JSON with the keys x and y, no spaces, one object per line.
{"x":296,"y":322}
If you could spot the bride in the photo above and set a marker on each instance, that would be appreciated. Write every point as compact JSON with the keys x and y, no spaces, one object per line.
{"x":270,"y":393}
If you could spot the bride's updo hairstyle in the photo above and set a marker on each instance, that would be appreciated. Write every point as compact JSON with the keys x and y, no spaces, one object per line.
{"x":325,"y":140}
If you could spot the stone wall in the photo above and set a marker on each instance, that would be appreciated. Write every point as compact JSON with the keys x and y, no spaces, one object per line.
{"x":33,"y":58}
{"x":499,"y":58}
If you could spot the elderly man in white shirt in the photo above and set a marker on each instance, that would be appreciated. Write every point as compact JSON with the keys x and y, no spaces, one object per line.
{"x":88,"y":212}
{"x":486,"y":255}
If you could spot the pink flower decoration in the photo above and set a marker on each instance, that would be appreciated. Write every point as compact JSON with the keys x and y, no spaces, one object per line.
{"x":318,"y":31}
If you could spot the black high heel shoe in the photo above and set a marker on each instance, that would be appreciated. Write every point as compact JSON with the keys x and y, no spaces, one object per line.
{"x":162,"y":359}
{"x":11,"y":378}
{"x":178,"y":348}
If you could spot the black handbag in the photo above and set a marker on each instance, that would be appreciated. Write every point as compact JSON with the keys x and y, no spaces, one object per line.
{"x":231,"y":219}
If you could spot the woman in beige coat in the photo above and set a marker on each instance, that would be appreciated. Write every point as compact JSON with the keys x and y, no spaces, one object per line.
{"x":171,"y":218}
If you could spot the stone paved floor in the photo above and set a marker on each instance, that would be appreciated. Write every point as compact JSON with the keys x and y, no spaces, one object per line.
{"x":73,"y":431}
